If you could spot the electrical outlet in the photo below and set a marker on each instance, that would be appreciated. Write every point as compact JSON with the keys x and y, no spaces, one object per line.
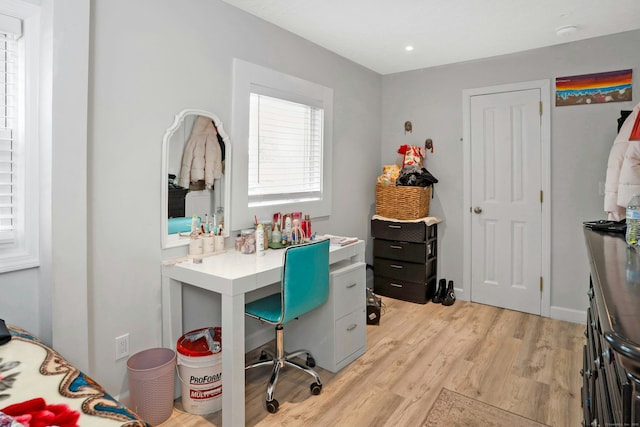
{"x":122,"y":346}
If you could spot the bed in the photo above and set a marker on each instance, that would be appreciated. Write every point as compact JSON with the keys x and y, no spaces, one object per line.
{"x":39,"y":387}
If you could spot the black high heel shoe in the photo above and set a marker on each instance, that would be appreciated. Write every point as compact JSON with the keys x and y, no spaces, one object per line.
{"x":450,"y":296}
{"x":440,"y":292}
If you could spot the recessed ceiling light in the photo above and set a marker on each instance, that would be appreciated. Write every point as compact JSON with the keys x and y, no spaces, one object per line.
{"x":408,"y":48}
{"x":566,"y":30}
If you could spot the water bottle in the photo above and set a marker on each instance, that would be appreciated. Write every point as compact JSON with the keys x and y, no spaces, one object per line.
{"x":633,"y":221}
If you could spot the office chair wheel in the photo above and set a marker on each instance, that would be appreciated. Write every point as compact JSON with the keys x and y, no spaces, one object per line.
{"x":311,"y":362}
{"x":272,"y":406}
{"x":263,"y":356}
{"x":316,"y":388}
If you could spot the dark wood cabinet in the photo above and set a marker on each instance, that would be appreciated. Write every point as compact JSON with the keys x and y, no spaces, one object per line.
{"x":611,"y":355}
{"x":404,"y":259}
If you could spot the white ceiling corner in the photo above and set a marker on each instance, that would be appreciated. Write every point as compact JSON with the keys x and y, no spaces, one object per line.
{"x":374,"y":33}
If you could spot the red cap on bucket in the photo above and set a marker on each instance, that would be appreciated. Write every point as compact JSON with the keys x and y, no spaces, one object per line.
{"x":199,"y":347}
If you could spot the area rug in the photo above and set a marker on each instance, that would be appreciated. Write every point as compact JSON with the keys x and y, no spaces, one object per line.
{"x":452,"y":409}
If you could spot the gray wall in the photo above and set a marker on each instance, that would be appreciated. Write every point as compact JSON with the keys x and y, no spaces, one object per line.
{"x":581,"y":137}
{"x":149,"y":60}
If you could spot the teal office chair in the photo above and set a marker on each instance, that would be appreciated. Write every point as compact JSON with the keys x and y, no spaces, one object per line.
{"x":304,"y":285}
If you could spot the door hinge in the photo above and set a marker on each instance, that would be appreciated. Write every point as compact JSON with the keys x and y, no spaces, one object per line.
{"x":540,"y":196}
{"x":540,"y":107}
{"x":540,"y":283}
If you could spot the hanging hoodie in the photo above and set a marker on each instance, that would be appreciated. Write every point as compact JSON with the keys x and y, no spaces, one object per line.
{"x":623,"y":170}
{"x":202,"y":157}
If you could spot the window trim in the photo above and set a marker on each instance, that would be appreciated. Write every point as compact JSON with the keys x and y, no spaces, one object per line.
{"x":246,"y":78}
{"x":24,"y":253}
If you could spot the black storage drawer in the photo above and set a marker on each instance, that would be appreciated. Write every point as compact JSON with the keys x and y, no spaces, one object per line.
{"x":400,"y":250}
{"x":405,"y":259}
{"x":405,"y":231}
{"x":431,"y":268}
{"x":404,"y":290}
{"x":176,"y":202}
{"x":401,"y":270}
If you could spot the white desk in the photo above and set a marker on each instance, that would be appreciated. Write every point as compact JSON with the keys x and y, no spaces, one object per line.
{"x":231,"y":275}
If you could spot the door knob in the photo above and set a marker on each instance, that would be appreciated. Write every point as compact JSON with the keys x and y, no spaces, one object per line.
{"x":477,"y":209}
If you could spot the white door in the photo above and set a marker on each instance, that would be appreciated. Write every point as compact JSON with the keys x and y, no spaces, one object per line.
{"x":506,"y":199}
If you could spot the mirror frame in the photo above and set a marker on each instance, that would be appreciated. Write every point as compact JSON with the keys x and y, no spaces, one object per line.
{"x":171,"y":241}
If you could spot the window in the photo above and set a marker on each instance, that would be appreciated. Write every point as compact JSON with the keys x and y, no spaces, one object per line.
{"x":285,"y":151}
{"x":281,"y":139}
{"x":9,"y":157}
{"x":18,"y":136}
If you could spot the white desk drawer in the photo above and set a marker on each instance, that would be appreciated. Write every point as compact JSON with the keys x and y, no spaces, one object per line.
{"x":348,"y":285}
{"x":350,"y":334}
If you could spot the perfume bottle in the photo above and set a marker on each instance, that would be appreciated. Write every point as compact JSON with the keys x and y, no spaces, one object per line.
{"x":276,"y":236}
{"x":306,"y":227}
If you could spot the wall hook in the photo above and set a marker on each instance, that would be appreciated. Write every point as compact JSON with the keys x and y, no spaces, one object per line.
{"x":428,"y":144}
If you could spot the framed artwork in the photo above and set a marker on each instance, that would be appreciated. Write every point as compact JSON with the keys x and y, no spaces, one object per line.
{"x":612,"y":86}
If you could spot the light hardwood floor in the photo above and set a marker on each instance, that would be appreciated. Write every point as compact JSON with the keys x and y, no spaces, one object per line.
{"x":522,"y":363}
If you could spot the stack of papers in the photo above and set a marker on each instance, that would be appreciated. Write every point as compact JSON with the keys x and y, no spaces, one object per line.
{"x":341,"y":240}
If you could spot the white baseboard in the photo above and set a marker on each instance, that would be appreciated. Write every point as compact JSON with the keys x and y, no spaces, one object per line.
{"x":568,"y":314}
{"x":460,"y":294}
{"x":555,"y":312}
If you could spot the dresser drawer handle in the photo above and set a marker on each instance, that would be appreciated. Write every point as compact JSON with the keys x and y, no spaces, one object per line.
{"x":395,"y":226}
{"x":352,"y":327}
{"x":351,"y":285}
{"x":396,"y":266}
{"x":395,"y":285}
{"x":395,"y":247}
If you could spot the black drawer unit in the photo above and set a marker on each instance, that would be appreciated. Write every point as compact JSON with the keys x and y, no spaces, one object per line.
{"x":611,"y":355}
{"x":404,"y":259}
{"x":607,"y":390}
{"x":176,"y":202}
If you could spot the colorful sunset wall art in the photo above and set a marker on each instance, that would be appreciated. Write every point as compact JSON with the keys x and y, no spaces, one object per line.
{"x":612,"y":86}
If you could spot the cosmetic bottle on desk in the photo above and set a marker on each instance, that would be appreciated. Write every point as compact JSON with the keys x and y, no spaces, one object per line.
{"x":276,"y":236}
{"x":306,"y":227}
{"x":260,"y":240}
{"x":286,"y":230}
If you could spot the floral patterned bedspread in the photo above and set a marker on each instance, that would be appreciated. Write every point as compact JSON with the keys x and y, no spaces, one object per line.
{"x":38,"y":387}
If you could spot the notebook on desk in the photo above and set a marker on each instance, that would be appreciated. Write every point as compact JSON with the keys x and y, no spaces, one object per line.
{"x":341,"y":240}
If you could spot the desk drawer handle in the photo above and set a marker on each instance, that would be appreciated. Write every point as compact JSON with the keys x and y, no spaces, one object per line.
{"x":395,"y":226}
{"x":396,"y":266}
{"x":351,"y":285}
{"x":395,"y":247}
{"x":352,"y":327}
{"x":395,"y":285}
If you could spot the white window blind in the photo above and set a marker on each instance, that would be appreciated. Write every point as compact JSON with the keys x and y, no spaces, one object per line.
{"x":285,"y":151}
{"x":9,"y":153}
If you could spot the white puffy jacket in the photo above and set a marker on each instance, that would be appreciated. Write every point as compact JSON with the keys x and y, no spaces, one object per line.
{"x":202,"y":157}
{"x":623,"y":170}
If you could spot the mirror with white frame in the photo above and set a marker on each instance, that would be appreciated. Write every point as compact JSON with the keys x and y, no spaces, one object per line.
{"x":196,"y":161}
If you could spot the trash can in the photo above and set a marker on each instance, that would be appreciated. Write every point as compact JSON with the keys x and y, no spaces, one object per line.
{"x":199,"y":363}
{"x":151,"y":383}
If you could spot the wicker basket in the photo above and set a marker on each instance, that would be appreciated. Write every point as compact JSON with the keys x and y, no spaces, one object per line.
{"x":402,"y":202}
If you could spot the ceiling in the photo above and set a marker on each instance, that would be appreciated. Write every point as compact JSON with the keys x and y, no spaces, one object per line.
{"x":374,"y":33}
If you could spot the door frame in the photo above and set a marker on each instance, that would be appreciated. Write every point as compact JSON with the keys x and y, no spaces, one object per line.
{"x":545,"y":156}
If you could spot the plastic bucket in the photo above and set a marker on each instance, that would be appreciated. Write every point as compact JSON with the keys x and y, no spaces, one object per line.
{"x":151,"y":383}
{"x":200,"y":371}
